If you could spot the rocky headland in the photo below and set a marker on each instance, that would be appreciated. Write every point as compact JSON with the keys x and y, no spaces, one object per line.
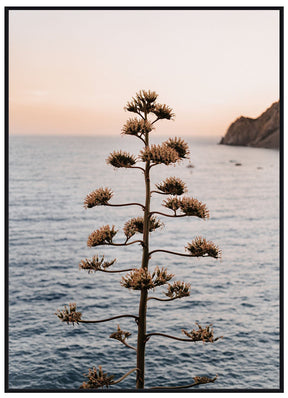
{"x":262,"y":132}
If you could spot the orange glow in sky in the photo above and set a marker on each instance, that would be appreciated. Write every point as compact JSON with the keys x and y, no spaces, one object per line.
{"x":72,"y":72}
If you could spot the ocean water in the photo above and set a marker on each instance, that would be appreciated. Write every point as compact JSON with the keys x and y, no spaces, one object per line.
{"x":49,"y":178}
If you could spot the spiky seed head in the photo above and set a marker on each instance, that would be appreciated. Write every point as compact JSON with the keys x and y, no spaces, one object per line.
{"x":172,"y":186}
{"x":159,"y":154}
{"x":120,"y":335}
{"x":142,"y":279}
{"x":137,"y":127}
{"x":171,"y":203}
{"x":95,"y":264}
{"x":121,"y":159}
{"x":200,"y":247}
{"x":178,"y":290}
{"x":69,"y":314}
{"x":179,"y":145}
{"x":136,"y":225}
{"x":202,"y":334}
{"x":193,"y":207}
{"x":142,"y":102}
{"x":101,"y":236}
{"x":163,"y":112}
{"x":100,"y":196}
{"x":97,"y":379}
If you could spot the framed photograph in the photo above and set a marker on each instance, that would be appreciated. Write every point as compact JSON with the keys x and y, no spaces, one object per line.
{"x":144,"y":199}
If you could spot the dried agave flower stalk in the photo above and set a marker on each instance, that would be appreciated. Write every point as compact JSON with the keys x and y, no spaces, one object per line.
{"x":172,"y":186}
{"x":102,"y":236}
{"x":142,"y":279}
{"x":202,"y":334}
{"x":100,"y":196}
{"x":95,"y":264}
{"x":69,"y":314}
{"x":200,"y":247}
{"x":171,"y":151}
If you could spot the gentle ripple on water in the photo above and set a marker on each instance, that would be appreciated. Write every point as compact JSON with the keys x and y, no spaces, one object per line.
{"x":239,"y":295}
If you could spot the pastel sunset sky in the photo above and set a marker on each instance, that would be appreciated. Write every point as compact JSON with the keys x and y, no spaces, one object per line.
{"x":72,"y":72}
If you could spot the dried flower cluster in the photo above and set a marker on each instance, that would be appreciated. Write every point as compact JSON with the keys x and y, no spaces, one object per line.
{"x":172,"y":186}
{"x":69,"y":315}
{"x":163,"y":112}
{"x":142,"y":279}
{"x":159,"y":154}
{"x":95,"y":264}
{"x":137,"y":127}
{"x":97,"y":379}
{"x":179,"y":145}
{"x":202,"y":334}
{"x":200,"y":247}
{"x":142,"y":102}
{"x":102,"y":236}
{"x":193,"y":207}
{"x":120,"y":335}
{"x":178,"y":290}
{"x":136,"y":225}
{"x":121,"y":159}
{"x":100,"y":196}
{"x":204,"y":379}
{"x":188,"y":206}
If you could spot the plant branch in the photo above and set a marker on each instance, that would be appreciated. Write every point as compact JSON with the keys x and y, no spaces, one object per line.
{"x":115,"y":271}
{"x":110,"y":319}
{"x":170,"y":252}
{"x":198,"y":380}
{"x":123,"y":244}
{"x":160,"y":299}
{"x":160,"y":193}
{"x":167,"y":335}
{"x":137,"y":167}
{"x":124,"y":376}
{"x":168,"y":215}
{"x":155,"y":120}
{"x":128,"y":345}
{"x":125,"y":204}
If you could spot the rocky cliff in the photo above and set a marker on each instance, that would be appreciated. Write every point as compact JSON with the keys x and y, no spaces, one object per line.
{"x":262,"y":132}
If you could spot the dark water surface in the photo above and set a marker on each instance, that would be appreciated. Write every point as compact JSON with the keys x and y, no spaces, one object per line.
{"x":239,"y":295}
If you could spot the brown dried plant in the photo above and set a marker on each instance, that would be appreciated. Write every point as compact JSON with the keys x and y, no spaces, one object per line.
{"x":174,"y":150}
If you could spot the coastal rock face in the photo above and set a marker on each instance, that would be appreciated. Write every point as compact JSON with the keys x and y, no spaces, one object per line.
{"x":262,"y":132}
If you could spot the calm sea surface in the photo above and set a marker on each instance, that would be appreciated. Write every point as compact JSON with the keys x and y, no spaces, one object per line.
{"x":49,"y":227}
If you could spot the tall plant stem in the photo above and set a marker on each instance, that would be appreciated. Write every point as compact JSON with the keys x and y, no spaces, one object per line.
{"x":141,"y":341}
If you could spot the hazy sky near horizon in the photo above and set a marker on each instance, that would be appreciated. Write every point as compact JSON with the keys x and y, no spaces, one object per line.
{"x":72,"y":72}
